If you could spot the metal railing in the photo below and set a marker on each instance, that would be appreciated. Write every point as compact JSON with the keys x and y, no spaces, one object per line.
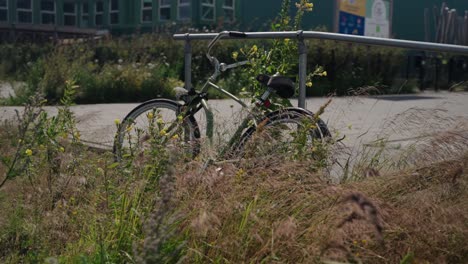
{"x":301,"y":36}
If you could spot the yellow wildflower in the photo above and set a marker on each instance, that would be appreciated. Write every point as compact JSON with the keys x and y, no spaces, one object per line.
{"x":117,"y":121}
{"x":235,"y":54}
{"x":62,"y":149}
{"x":324,"y":73}
{"x":286,"y":41}
{"x":129,"y":128}
{"x":309,"y":84}
{"x":163,"y":133}
{"x":28,"y":152}
{"x":240,"y":173}
{"x":150,"y":115}
{"x":254,"y":49}
{"x":160,"y":121}
{"x":175,"y":137}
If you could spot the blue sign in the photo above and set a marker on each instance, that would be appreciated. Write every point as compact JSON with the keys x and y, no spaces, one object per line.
{"x":351,"y":24}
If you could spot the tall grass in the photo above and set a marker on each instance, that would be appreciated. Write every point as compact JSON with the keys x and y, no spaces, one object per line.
{"x":73,"y":204}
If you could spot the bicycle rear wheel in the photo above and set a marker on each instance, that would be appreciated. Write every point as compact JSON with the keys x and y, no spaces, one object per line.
{"x":289,"y":133}
{"x":153,"y":122}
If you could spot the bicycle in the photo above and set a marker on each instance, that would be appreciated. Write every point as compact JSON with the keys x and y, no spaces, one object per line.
{"x":176,"y":118}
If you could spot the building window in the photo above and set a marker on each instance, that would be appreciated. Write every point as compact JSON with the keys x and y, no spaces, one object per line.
{"x":84,"y":14}
{"x":114,"y":12}
{"x":183,"y":10}
{"x":24,"y":11}
{"x":208,"y":10}
{"x":164,"y":10}
{"x":146,"y":11}
{"x":99,"y":13}
{"x":47,"y":12}
{"x":69,"y":14}
{"x":228,"y":9}
{"x":3,"y":10}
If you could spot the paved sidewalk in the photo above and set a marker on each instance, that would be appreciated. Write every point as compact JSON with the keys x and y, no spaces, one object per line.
{"x":400,"y":118}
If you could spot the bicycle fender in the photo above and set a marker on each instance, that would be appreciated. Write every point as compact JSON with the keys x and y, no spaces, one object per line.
{"x":301,"y":111}
{"x":291,"y":109}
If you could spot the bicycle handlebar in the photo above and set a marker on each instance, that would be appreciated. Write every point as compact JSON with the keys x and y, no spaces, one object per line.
{"x":234,"y":34}
{"x":222,"y":66}
{"x":237,"y":34}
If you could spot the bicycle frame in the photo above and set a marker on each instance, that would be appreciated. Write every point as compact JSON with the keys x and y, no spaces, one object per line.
{"x":194,"y":107}
{"x":195,"y":104}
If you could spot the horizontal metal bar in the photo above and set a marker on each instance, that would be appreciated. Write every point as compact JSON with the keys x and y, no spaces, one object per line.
{"x":249,"y":35}
{"x":398,"y":43}
{"x":407,"y":44}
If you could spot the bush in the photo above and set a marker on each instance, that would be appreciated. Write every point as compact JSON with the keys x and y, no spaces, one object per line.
{"x":141,"y":67}
{"x":16,"y":59}
{"x":112,"y":80}
{"x":353,"y":66}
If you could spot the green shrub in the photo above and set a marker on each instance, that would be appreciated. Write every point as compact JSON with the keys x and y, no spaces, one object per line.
{"x":93,"y":65}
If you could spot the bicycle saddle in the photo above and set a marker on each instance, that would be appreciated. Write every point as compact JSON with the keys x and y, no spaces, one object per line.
{"x":282,"y":85}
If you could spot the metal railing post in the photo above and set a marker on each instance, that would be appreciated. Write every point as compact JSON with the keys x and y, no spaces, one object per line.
{"x":302,"y":69}
{"x":188,"y":62}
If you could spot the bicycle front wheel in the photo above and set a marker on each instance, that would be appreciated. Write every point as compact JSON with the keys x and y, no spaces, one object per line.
{"x":156,"y":123}
{"x":290,"y":133}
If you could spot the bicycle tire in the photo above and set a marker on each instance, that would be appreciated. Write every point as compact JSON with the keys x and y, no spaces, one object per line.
{"x":165,"y":112}
{"x":298,"y":117}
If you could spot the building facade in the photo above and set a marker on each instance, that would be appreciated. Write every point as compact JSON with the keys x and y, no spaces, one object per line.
{"x":128,"y":16}
{"x":116,"y":16}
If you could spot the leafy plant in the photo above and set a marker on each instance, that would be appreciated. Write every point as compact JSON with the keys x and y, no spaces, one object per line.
{"x":282,"y":56}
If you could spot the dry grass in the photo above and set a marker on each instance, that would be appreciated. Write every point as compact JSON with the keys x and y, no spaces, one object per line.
{"x":258,"y":210}
{"x":286,"y":214}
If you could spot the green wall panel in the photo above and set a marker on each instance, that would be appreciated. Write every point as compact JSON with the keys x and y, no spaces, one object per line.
{"x":257,"y":15}
{"x":408,"y":16}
